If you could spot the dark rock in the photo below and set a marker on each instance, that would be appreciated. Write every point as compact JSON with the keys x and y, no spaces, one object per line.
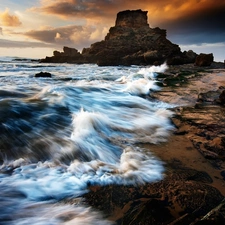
{"x":130,"y":42}
{"x":184,"y":194}
{"x":189,"y":56}
{"x":204,"y":59}
{"x":43,"y":74}
{"x":69,"y":55}
{"x":133,"y":19}
{"x":222,"y":97}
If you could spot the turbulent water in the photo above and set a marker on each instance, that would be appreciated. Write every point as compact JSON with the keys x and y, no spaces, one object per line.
{"x":80,"y":127}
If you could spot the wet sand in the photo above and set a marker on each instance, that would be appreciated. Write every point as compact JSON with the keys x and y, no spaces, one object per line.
{"x":193,"y":184}
{"x":180,"y":148}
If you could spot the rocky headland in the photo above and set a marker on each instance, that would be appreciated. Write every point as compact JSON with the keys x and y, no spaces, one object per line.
{"x":131,"y":42}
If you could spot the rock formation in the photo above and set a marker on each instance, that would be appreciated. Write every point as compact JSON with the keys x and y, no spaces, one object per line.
{"x":130,"y":42}
{"x":204,"y":59}
{"x":69,"y":55}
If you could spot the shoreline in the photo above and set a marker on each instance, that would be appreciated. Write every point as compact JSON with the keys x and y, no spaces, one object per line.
{"x":193,"y":184}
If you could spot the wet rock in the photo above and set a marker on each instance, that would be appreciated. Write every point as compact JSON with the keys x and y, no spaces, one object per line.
{"x":204,"y":59}
{"x":184,"y":195}
{"x":222,"y":97}
{"x":43,"y":74}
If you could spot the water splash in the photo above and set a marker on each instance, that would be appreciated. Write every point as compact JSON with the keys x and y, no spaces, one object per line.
{"x":79,"y":128}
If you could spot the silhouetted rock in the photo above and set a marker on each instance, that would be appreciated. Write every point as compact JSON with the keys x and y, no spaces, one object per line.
{"x":204,"y":59}
{"x":130,"y":42}
{"x":69,"y":55}
{"x":43,"y":74}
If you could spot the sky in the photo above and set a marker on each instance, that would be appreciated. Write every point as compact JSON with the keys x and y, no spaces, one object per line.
{"x":34,"y":29}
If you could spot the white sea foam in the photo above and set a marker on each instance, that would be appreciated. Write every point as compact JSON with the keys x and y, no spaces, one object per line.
{"x":97,"y":147}
{"x":152,"y":71}
{"x":137,"y":85}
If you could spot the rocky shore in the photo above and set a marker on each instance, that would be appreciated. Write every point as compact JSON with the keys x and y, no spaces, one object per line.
{"x":131,"y":42}
{"x":193,"y":189}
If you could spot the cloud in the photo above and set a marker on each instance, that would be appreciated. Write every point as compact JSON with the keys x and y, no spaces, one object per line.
{"x":206,"y":26}
{"x":9,"y":20}
{"x":22,"y":44}
{"x":1,"y":33}
{"x":185,"y":20}
{"x":75,"y":36}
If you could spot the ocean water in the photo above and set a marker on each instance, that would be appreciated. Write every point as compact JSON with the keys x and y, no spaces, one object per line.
{"x":82,"y":127}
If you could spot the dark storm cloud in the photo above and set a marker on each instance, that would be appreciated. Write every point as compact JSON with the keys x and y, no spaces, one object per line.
{"x":202,"y":27}
{"x":186,"y":21}
{"x":89,"y":9}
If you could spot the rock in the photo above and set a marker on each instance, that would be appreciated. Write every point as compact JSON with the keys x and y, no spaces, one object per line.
{"x":69,"y":55}
{"x":190,"y":56}
{"x":133,"y":19}
{"x":151,"y":56}
{"x":204,"y":59}
{"x":183,"y":194}
{"x":130,"y":42}
{"x":222,"y":97}
{"x":43,"y":74}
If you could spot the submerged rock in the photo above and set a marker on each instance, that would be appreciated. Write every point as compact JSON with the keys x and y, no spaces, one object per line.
{"x":43,"y":74}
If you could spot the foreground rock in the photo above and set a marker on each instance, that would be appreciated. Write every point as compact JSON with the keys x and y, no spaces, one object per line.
{"x":130,"y":42}
{"x":183,"y":197}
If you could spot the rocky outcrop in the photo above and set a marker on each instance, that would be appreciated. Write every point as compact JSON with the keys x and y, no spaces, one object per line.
{"x":130,"y":42}
{"x":204,"y":59}
{"x":182,"y":197}
{"x":69,"y":55}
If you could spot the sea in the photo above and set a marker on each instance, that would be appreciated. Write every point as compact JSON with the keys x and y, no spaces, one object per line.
{"x":82,"y":127}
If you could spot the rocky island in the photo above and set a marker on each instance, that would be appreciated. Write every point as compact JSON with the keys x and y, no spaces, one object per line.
{"x":130,"y":42}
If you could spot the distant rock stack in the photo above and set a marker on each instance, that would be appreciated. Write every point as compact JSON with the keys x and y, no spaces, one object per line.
{"x":130,"y":42}
{"x":133,"y":19}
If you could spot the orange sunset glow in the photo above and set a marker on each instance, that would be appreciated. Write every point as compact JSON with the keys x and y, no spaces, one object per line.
{"x":41,"y":26}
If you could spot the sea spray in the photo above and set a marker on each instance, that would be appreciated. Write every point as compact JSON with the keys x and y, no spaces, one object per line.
{"x":79,"y":128}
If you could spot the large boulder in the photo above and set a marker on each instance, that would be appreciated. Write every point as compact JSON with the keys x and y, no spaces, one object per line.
{"x":204,"y":59}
